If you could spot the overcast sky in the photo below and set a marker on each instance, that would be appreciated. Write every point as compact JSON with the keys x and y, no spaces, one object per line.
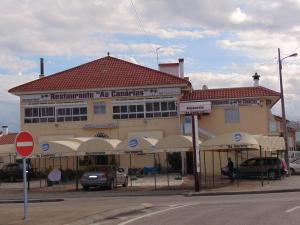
{"x":223,"y":42}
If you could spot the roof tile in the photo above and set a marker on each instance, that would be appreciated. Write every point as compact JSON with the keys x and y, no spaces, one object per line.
{"x":107,"y":72}
{"x":8,"y":139}
{"x":222,"y":93}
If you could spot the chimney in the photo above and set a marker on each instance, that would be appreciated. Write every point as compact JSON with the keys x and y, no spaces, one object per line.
{"x":42,"y":67}
{"x":5,"y":130}
{"x":204,"y":87}
{"x":181,"y":71}
{"x":256,"y":79}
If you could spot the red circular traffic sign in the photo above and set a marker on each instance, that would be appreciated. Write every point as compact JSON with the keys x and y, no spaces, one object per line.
{"x":24,"y":143}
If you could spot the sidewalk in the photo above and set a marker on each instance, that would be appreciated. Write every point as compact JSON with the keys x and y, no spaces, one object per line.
{"x":145,"y":186}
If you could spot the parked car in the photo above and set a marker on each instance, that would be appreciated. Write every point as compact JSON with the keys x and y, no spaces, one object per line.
{"x":295,"y":166}
{"x":14,"y":171}
{"x":271,"y":167}
{"x":105,"y":176}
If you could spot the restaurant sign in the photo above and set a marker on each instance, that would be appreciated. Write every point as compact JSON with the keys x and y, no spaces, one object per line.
{"x":100,"y":94}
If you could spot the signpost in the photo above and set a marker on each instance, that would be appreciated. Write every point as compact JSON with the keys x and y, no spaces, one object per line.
{"x":24,"y":145}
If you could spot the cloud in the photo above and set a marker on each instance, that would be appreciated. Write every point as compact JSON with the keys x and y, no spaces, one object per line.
{"x":238,"y":16}
{"x":9,"y":113}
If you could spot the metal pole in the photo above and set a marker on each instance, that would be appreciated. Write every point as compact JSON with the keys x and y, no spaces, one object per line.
{"x":220,"y":159}
{"x":167,"y":169}
{"x":285,"y":131}
{"x":77,"y":174}
{"x":25,"y":189}
{"x":130,"y":169}
{"x":261,"y":167}
{"x":40,"y":172}
{"x":204,"y":158}
{"x":213,"y":167}
{"x":154,"y":171}
{"x":195,"y":155}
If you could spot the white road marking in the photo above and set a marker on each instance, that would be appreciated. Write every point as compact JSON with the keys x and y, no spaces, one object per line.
{"x":24,"y":144}
{"x":157,"y":212}
{"x":292,"y":209}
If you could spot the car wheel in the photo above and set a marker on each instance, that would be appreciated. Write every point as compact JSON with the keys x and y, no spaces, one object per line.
{"x":292,"y":171}
{"x":86,"y":188}
{"x":112,"y":185}
{"x":272,"y":175}
{"x":126,"y":182}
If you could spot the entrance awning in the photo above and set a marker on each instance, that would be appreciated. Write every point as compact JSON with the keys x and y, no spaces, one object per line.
{"x":139,"y":144}
{"x":175,"y":143}
{"x":231,"y":142}
{"x":98,"y":146}
{"x":62,"y":148}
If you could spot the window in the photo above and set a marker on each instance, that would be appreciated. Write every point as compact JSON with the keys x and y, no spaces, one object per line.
{"x":145,"y":110}
{"x":50,"y":114}
{"x":39,"y":114}
{"x":232,"y":115}
{"x":71,"y":113}
{"x":99,"y":108}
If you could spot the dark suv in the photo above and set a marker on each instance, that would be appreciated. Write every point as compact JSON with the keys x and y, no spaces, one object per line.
{"x":14,"y":171}
{"x":271,"y":167}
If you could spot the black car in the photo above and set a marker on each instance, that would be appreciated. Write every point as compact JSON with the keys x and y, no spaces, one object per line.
{"x":270,"y":167}
{"x":14,"y":171}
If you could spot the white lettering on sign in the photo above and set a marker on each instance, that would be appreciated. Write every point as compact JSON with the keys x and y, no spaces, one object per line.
{"x":239,"y":102}
{"x":195,"y":107}
{"x":101,"y":94}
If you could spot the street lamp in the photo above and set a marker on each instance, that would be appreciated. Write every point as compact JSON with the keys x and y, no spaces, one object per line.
{"x":156,"y":50}
{"x":285,"y":131}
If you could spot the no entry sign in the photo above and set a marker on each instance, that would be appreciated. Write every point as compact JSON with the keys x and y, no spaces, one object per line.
{"x":24,"y":143}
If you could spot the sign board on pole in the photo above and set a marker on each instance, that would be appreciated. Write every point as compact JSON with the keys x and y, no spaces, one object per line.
{"x":24,"y":143}
{"x":195,"y":107}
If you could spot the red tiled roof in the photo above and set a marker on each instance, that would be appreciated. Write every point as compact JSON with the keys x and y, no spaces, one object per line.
{"x":107,"y":72}
{"x":220,"y":93}
{"x":8,"y":139}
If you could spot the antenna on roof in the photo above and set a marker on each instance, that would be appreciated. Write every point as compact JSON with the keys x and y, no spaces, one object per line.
{"x":108,"y":53}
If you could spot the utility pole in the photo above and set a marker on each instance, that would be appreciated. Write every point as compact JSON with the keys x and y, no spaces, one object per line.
{"x":285,"y":130}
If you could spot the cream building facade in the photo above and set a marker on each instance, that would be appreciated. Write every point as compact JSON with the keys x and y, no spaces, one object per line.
{"x":123,"y":100}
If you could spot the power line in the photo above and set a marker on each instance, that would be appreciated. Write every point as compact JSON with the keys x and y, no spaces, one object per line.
{"x":140,"y":23}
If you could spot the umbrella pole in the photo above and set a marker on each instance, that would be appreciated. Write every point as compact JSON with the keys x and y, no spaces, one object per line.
{"x":237,"y":166}
{"x":130,"y":169}
{"x":77,"y":174}
{"x":40,"y":177}
{"x":167,"y":169}
{"x":261,"y":167}
{"x":60,"y":166}
{"x":220,"y":161}
{"x":213,"y":167}
{"x":45,"y":167}
{"x":154,"y":158}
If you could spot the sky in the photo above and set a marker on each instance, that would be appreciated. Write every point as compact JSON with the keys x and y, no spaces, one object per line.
{"x":222,"y":42}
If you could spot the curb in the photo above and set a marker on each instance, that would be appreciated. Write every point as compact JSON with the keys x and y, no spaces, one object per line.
{"x":241,"y":192}
{"x":31,"y":201}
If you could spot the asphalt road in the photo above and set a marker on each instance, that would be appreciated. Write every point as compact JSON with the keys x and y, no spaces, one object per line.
{"x":263,"y":209}
{"x":259,"y":209}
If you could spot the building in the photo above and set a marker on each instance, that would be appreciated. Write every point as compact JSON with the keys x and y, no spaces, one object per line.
{"x":118,"y":99}
{"x":7,"y":143}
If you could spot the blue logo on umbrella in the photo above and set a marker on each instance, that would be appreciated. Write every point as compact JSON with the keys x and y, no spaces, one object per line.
{"x":132,"y":143}
{"x":237,"y":137}
{"x":45,"y":147}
